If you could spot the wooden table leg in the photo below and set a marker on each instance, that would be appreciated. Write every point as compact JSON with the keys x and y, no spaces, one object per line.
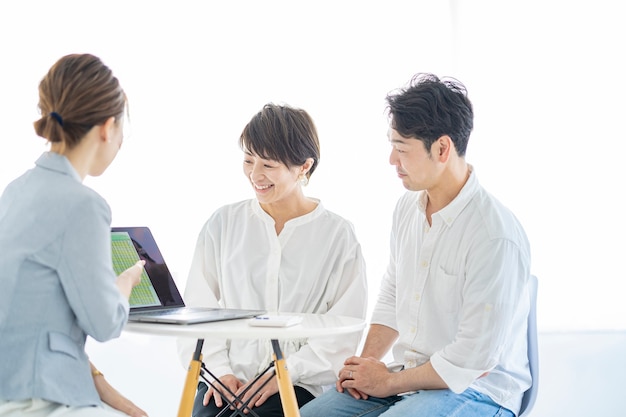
{"x":191,"y":382}
{"x":285,"y":387}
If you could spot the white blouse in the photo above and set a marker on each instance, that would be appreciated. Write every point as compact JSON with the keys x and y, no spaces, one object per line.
{"x":314,"y":265}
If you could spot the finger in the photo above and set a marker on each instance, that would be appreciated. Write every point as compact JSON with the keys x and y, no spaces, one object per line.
{"x":358,"y":395}
{"x":240,"y":390}
{"x":339,"y":386}
{"x":352,"y":360}
{"x":363,"y":395}
{"x":218,"y":399}
{"x":354,"y":393}
{"x":346,"y":374}
{"x":260,"y":400}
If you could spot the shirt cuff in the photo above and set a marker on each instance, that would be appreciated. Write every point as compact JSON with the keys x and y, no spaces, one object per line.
{"x":458,"y":379}
{"x":384,"y":318}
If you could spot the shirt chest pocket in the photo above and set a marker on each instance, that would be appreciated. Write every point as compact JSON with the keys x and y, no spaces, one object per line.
{"x":446,"y":290}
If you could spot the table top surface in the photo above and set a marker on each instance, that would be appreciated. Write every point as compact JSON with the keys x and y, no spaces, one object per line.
{"x":311,"y":325}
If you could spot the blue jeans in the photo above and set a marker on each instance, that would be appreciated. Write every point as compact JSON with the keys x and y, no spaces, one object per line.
{"x":427,"y":403}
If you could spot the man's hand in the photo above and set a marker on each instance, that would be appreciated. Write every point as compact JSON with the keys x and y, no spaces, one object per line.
{"x":363,"y":377}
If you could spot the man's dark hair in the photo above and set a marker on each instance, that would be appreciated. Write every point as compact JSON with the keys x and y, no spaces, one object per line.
{"x":429,"y":108}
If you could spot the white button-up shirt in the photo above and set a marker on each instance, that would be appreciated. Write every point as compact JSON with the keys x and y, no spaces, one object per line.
{"x":457,"y":293}
{"x":315,"y":265}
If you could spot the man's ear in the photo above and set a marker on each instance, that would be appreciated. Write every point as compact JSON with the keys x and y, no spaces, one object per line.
{"x":106,"y":129}
{"x":443,"y":148}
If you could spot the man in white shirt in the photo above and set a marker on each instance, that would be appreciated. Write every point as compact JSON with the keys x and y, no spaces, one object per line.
{"x":453,"y":303}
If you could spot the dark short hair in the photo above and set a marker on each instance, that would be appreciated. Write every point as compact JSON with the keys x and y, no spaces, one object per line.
{"x":429,"y":108}
{"x":282,"y":133}
{"x":78,"y":92}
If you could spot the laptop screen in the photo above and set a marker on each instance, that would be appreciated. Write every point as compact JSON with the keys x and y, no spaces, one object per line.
{"x":157,"y":288}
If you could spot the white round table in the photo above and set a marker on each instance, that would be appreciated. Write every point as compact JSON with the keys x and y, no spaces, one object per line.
{"x":312,"y":325}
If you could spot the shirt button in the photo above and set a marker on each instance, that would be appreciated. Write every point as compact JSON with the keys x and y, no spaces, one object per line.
{"x":417,"y":296}
{"x":413,"y":329}
{"x":424,"y":264}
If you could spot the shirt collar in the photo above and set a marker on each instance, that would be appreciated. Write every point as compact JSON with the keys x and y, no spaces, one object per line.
{"x":258,"y":210}
{"x":58,"y":163}
{"x":450,"y":212}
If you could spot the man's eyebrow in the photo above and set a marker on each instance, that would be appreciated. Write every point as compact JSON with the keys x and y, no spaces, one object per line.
{"x":396,"y":140}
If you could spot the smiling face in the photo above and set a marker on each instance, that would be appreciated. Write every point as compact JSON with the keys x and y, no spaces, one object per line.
{"x":272,"y":181}
{"x":414,"y":164}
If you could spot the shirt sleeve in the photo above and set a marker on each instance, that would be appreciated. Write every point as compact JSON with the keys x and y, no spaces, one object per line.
{"x":318,"y":361}
{"x":496,"y":278}
{"x":385,"y":309}
{"x":202,"y":290}
{"x":88,"y":279}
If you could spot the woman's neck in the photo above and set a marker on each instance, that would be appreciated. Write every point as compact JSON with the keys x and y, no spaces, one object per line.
{"x":285,"y":210}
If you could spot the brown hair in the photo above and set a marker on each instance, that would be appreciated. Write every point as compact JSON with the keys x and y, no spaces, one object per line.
{"x":77,"y":93}
{"x":282,"y":133}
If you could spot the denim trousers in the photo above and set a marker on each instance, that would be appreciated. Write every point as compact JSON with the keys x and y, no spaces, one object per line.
{"x":426,"y":403}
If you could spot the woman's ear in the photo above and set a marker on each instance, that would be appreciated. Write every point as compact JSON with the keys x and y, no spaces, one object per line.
{"x":107,"y":129}
{"x":306,"y":167}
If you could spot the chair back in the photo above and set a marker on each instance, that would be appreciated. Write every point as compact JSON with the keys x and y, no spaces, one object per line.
{"x":530,"y":396}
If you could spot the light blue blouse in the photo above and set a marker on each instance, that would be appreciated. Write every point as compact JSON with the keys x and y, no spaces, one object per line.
{"x":57,"y":284}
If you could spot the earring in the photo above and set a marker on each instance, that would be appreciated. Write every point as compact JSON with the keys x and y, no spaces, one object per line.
{"x":304,"y":180}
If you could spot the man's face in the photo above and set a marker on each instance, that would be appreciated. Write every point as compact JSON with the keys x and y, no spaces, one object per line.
{"x":414,"y":163}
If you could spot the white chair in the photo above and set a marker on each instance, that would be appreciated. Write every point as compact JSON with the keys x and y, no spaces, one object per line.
{"x":528,"y":401}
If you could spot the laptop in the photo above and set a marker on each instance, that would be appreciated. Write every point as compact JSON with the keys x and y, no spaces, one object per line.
{"x":156,"y":298}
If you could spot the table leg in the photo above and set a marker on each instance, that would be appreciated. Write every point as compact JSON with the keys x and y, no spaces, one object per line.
{"x":285,"y":387}
{"x":191,"y":382}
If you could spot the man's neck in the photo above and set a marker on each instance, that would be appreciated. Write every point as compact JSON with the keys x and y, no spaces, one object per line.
{"x":448,"y":187}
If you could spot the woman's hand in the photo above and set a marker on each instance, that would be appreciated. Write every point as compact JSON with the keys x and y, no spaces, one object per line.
{"x":270,"y":388}
{"x":128,"y":279}
{"x":113,"y":398}
{"x":231,"y":382}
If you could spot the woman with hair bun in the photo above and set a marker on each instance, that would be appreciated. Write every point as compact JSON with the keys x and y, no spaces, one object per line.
{"x":56,"y":272}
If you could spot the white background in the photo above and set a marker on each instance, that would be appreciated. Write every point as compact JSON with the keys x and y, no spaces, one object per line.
{"x":546,"y":79}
